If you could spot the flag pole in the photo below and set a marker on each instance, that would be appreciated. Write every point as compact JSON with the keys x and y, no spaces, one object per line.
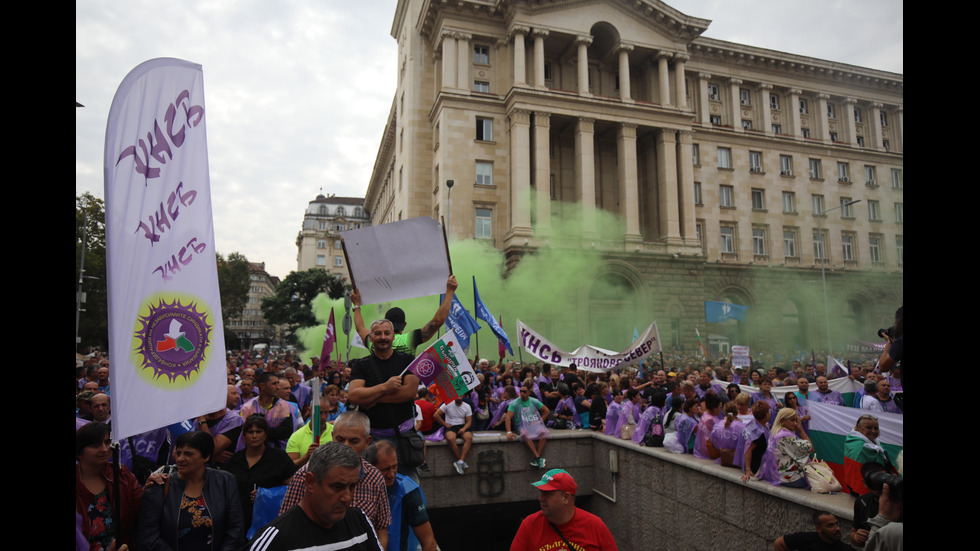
{"x":350,"y":270}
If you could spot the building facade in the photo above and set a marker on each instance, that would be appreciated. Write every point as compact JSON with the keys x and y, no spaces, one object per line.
{"x":319,"y":239}
{"x":250,"y":328}
{"x":730,"y":172}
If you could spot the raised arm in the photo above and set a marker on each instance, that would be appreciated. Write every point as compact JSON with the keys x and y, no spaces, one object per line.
{"x":429,"y":329}
{"x":362,"y":331}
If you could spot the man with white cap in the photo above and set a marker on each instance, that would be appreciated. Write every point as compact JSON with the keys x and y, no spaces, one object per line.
{"x":560,"y":524}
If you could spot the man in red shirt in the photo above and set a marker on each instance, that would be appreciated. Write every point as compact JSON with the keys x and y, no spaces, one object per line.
{"x":560,"y":524}
{"x":428,"y":409}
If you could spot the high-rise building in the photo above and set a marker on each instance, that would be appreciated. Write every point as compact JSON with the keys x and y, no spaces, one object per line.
{"x":732,"y":170}
{"x":250,"y":328}
{"x":319,"y":240}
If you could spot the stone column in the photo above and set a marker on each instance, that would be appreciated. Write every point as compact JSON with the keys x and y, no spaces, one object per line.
{"x":542,"y":170}
{"x":663,"y":77}
{"x":465,"y":58}
{"x":876,"y":108}
{"x":704,"y":108}
{"x":519,"y":33}
{"x":448,"y":60}
{"x":685,"y":187}
{"x":667,"y":186}
{"x":520,"y":171}
{"x":794,"y":112}
{"x":823,"y":132}
{"x":582,"y":44}
{"x":624,"y":71}
{"x":585,"y":174}
{"x":850,"y":130}
{"x":539,"y":36}
{"x":629,"y":194}
{"x":680,"y":81}
{"x":899,"y":129}
{"x":764,"y":90}
{"x":735,"y":103}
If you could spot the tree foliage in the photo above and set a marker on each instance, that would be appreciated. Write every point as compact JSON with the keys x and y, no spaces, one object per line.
{"x":291,"y":306}
{"x":93,"y":325}
{"x":233,"y":285}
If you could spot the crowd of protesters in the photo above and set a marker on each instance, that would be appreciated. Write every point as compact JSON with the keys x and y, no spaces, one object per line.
{"x":264,"y":432}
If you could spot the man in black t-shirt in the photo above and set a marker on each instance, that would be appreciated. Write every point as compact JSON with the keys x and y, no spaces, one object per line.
{"x":827,"y":536}
{"x":323,"y":517}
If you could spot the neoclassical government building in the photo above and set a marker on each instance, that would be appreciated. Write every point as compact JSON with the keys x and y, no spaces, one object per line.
{"x":697,"y":169}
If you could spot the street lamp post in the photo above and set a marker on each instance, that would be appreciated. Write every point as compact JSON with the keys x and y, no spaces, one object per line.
{"x":823,"y":272}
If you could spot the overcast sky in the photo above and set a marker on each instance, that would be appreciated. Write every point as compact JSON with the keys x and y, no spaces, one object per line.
{"x":298,"y":91}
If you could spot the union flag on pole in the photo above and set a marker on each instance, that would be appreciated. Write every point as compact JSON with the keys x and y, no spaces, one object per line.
{"x":445,"y":364}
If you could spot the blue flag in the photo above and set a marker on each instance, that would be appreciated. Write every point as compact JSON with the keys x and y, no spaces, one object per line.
{"x":460,"y":323}
{"x":723,"y":311}
{"x":483,"y":313}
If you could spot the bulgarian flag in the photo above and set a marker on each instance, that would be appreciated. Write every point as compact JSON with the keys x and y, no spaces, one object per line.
{"x":829,"y":427}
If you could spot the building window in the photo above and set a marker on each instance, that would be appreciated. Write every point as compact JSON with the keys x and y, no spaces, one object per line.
{"x":726,"y":196}
{"x":484,"y":129}
{"x":833,"y":137}
{"x":815,"y":169}
{"x":484,"y":219}
{"x":699,"y":231}
{"x":860,"y":141}
{"x":338,"y":227}
{"x":696,"y":154}
{"x":758,"y":199}
{"x":845,"y":208}
{"x":857,"y":114}
{"x":886,"y":144}
{"x":847,"y":247}
{"x":716,"y":120}
{"x":869,"y":175}
{"x":896,"y":178}
{"x":713,"y":92}
{"x":321,"y":260}
{"x":818,"y":205}
{"x":789,"y":243}
{"x":547,"y":70}
{"x":874,"y":249}
{"x":900,"y":249}
{"x":481,"y":86}
{"x":746,"y":124}
{"x":818,"y":244}
{"x":899,"y":213}
{"x":874,"y":211}
{"x":744,"y":96}
{"x":884,"y":118}
{"x":484,"y":173}
{"x":338,"y":244}
{"x":773,"y":101}
{"x":755,"y":161}
{"x":777,"y":129}
{"x":321,"y":243}
{"x":804,"y":106}
{"x":481,"y":54}
{"x":831,"y":111}
{"x":724,"y":157}
{"x":789,"y":202}
{"x":805,"y":132}
{"x":322,"y":225}
{"x":697,"y":194}
{"x":786,"y":165}
{"x":842,"y":172}
{"x":727,"y":239}
{"x":759,"y":241}
{"x":338,"y":261}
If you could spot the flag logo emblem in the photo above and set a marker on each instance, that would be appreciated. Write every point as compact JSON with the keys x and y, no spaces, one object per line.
{"x":426,"y":368}
{"x":171,"y":340}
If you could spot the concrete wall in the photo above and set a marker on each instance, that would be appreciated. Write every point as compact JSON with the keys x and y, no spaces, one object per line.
{"x":657,"y":500}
